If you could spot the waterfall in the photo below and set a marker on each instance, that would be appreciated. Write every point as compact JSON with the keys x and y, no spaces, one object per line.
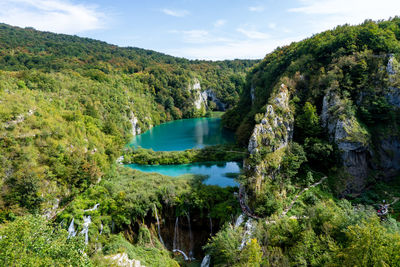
{"x":158,"y":226}
{"x":239,"y":220}
{"x":190,"y":238}
{"x":85,"y":231}
{"x":206,"y":261}
{"x":94,"y":208}
{"x":183,"y":254}
{"x":71,"y":229}
{"x":249,"y":228}
{"x":176,"y":234}
{"x":101,"y":228}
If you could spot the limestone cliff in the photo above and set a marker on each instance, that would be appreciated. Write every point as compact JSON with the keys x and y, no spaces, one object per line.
{"x":271,"y":136}
{"x":198,"y":101}
{"x":352,"y":139}
{"x":209,"y":95}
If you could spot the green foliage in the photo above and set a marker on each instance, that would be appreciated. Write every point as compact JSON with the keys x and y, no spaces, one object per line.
{"x":209,"y":153}
{"x":224,"y":246}
{"x":251,"y":254}
{"x":127,"y":196}
{"x":68,"y":104}
{"x":147,"y":255}
{"x":308,"y":122}
{"x":328,"y":234}
{"x":31,"y":241}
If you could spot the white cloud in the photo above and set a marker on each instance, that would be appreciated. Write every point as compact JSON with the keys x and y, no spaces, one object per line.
{"x":220,"y":23}
{"x":199,"y":37}
{"x":175,"y":12}
{"x":59,"y":16}
{"x":252,"y":34}
{"x":272,"y":26}
{"x":195,"y":36}
{"x":254,"y":49}
{"x":256,"y":8}
{"x":338,"y":12}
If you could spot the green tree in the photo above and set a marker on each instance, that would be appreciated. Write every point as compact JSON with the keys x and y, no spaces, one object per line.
{"x":31,"y":241}
{"x":251,"y":254}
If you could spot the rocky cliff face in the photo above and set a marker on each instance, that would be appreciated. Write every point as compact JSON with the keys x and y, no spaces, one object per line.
{"x":271,"y":136}
{"x":136,"y":130}
{"x":358,"y":155}
{"x":209,"y":95}
{"x":351,"y":138}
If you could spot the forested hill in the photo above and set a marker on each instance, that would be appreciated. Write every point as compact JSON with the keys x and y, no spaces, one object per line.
{"x":321,"y":119}
{"x":69,"y":104}
{"x":27,"y":48}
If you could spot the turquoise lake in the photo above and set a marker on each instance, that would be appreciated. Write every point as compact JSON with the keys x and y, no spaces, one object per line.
{"x":219,"y":173}
{"x":186,"y":134}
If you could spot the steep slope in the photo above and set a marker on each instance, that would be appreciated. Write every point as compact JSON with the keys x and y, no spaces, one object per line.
{"x":321,"y":121}
{"x":335,"y":97}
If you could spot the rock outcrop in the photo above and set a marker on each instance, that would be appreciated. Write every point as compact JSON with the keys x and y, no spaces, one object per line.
{"x":271,"y":137}
{"x":209,"y":95}
{"x":276,"y":128}
{"x":136,"y":130}
{"x":351,"y":138}
{"x":358,"y":155}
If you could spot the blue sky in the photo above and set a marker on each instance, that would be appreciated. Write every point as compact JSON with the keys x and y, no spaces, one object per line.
{"x":195,"y":29}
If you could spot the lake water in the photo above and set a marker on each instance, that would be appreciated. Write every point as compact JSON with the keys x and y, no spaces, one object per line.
{"x":219,"y":173}
{"x":186,"y":134}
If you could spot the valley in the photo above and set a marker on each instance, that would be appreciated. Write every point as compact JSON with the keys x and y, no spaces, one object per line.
{"x":112,"y":154}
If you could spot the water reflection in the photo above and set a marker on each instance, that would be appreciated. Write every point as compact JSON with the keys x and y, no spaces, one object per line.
{"x":219,"y":173}
{"x":184,"y":134}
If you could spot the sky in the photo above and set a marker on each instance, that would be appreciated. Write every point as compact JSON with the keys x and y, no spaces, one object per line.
{"x":195,"y":29}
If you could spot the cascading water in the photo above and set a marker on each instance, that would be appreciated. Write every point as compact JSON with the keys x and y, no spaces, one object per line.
{"x":206,"y":261}
{"x":87,"y":220}
{"x":249,"y":228}
{"x":239,"y":220}
{"x":183,"y":254}
{"x":176,"y":234}
{"x":71,"y":229}
{"x":158,"y":226}
{"x":190,"y":238}
{"x":94,"y":208}
{"x":207,"y":258}
{"x":101,"y":229}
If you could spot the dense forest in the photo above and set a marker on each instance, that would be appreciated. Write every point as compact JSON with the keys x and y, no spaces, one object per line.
{"x":317,"y":122}
{"x":69,"y":104}
{"x":321,"y":120}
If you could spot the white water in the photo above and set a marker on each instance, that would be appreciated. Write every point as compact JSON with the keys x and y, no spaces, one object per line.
{"x":176,"y":234}
{"x":71,"y":229}
{"x":249,"y":228}
{"x":183,"y":254}
{"x":190,"y":239}
{"x":101,"y":229}
{"x":94,"y":208}
{"x":239,"y":220}
{"x":206,"y":261}
{"x":85,"y":231}
{"x":158,"y":226}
